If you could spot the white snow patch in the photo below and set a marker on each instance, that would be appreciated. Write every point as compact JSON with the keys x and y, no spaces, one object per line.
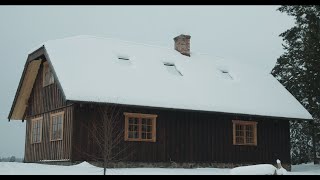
{"x":282,"y":171}
{"x":305,"y":169}
{"x":84,"y":165}
{"x":14,"y":168}
{"x":48,"y":160}
{"x":260,"y":169}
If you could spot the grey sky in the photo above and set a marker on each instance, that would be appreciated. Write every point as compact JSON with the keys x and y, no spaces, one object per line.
{"x":249,"y":34}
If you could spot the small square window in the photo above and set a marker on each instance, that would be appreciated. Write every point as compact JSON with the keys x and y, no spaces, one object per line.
{"x":244,"y":132}
{"x":140,"y":127}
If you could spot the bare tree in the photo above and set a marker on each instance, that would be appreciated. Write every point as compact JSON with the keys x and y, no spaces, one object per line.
{"x":107,"y":133}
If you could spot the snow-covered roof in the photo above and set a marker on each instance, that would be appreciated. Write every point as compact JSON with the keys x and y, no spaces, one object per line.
{"x":110,"y":70}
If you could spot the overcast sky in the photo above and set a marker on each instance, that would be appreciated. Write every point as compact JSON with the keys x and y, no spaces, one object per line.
{"x":249,"y":34}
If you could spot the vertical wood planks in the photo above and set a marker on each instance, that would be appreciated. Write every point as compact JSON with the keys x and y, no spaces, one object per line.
{"x":42,"y":102}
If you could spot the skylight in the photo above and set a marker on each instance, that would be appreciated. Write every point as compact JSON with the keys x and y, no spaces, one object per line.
{"x":226,"y":74}
{"x":123,"y":58}
{"x":171,"y":68}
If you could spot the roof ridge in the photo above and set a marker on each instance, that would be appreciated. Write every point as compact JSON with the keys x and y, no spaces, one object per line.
{"x":126,"y":41}
{"x":114,"y":38}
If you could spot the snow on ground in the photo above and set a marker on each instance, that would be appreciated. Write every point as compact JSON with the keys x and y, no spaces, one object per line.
{"x":260,"y":169}
{"x":14,"y":168}
{"x":305,"y":169}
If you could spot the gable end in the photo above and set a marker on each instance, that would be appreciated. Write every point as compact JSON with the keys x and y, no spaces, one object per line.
{"x":27,"y":81}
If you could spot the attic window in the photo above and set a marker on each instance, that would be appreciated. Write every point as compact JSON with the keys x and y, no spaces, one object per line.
{"x":48,"y":77}
{"x":226,"y":74}
{"x":171,"y":68}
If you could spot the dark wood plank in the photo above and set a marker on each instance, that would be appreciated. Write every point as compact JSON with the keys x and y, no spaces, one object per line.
{"x":195,"y":137}
{"x":42,"y":102}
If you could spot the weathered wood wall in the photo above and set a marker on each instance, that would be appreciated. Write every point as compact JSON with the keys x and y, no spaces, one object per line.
{"x":190,"y":136}
{"x":42,"y":102}
{"x":50,"y":150}
{"x":44,"y":99}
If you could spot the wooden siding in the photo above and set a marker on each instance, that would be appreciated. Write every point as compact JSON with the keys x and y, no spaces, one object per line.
{"x":44,"y":99}
{"x":190,"y":136}
{"x":50,"y":150}
{"x":42,"y":102}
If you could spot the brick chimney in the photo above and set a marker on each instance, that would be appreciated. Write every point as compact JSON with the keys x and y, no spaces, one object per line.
{"x":182,"y":44}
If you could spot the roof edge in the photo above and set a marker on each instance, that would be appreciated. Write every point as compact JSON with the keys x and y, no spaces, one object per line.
{"x":193,"y":110}
{"x":31,"y":56}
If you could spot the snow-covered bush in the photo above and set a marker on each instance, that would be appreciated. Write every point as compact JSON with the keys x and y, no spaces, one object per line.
{"x":260,"y":169}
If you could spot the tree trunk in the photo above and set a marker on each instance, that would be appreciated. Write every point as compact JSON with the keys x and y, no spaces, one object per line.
{"x":315,"y":160}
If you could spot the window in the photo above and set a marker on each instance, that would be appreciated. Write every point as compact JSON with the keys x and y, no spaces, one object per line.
{"x":140,"y":127}
{"x":48,"y":77}
{"x":226,"y":74}
{"x":171,"y":68}
{"x":244,"y":132}
{"x":56,"y":126}
{"x":123,"y":58}
{"x":36,"y":130}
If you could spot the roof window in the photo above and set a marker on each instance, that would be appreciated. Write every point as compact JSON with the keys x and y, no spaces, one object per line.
{"x":171,"y":68}
{"x":123,"y":58}
{"x":226,"y":74}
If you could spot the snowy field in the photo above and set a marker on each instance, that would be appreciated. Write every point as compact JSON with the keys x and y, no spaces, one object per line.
{"x":7,"y":168}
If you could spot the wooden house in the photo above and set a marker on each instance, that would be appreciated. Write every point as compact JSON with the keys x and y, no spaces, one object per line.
{"x":176,"y":105}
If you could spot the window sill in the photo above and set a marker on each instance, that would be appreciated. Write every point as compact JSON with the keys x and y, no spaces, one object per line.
{"x":56,"y":140}
{"x":245,"y":144}
{"x":139,"y":140}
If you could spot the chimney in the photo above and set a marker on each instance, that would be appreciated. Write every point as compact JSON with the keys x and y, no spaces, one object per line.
{"x":182,"y":44}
